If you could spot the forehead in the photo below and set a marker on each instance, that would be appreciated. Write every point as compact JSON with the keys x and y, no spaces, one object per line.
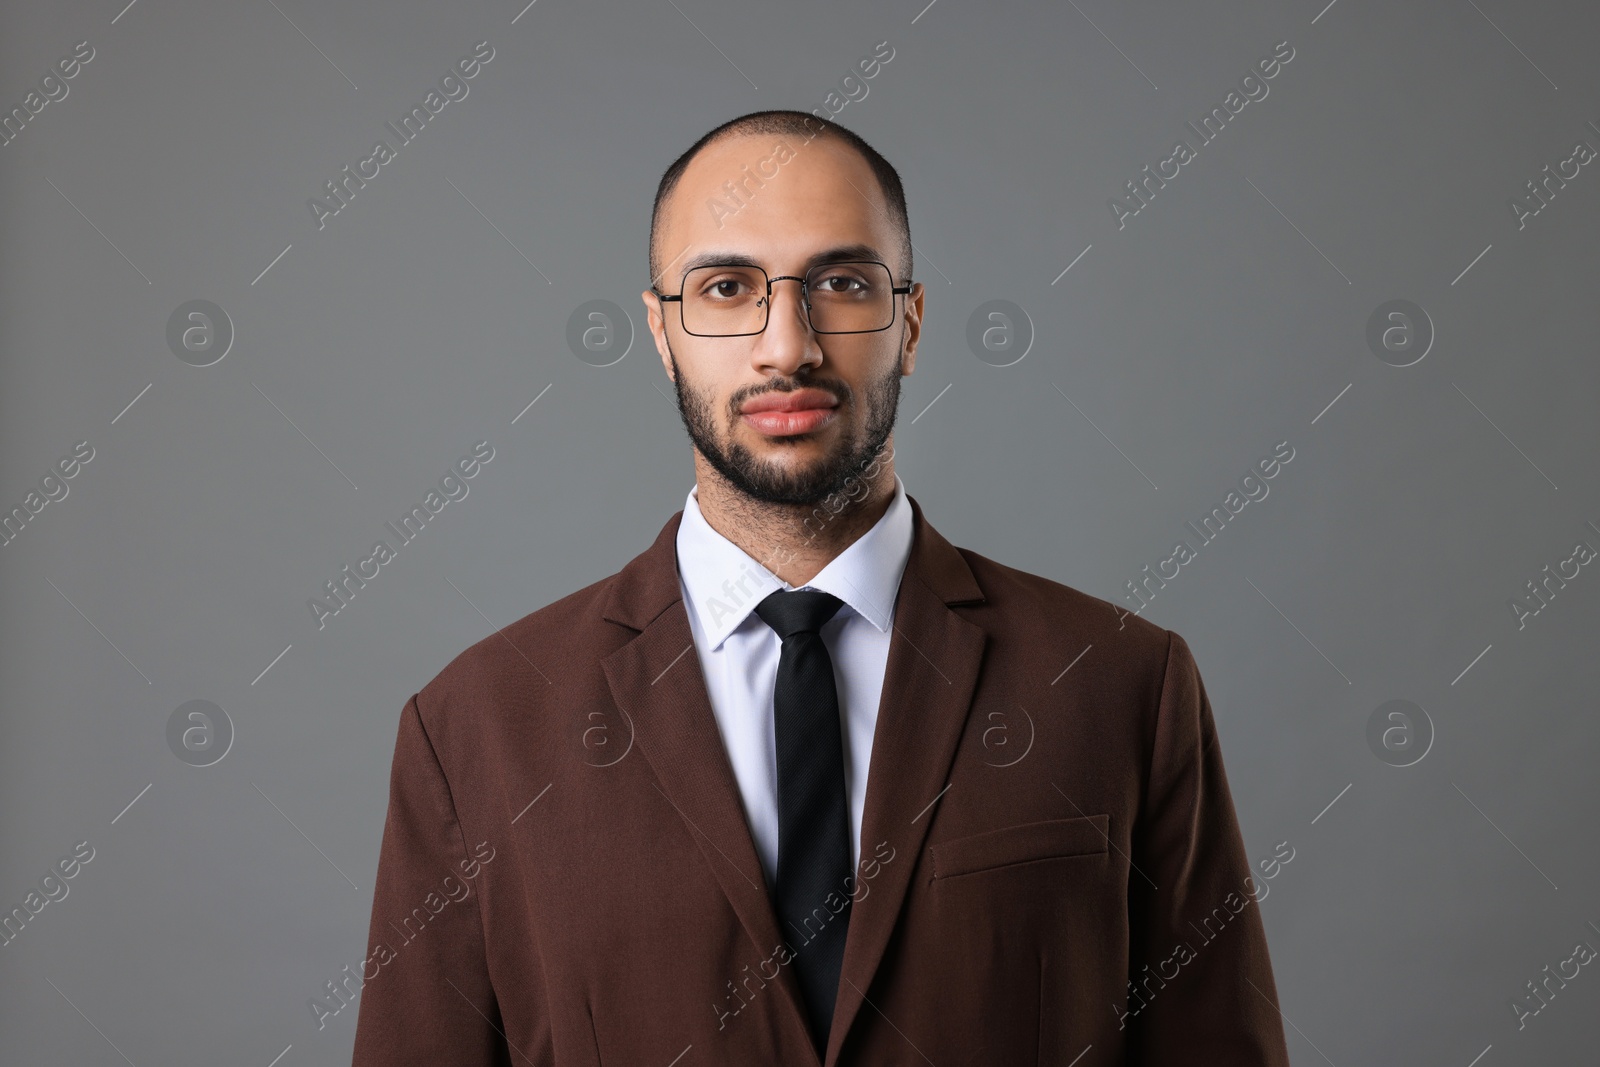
{"x":777,"y":199}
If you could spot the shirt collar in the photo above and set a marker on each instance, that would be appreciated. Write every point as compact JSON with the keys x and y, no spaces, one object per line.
{"x":723,"y":584}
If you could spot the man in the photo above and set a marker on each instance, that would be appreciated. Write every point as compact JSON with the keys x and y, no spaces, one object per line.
{"x":803,"y":783}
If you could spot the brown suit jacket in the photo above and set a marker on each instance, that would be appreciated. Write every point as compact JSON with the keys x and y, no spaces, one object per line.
{"x":1051,"y":869}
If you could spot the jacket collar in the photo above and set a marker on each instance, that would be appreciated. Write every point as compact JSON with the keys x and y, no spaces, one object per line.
{"x":648,"y":585}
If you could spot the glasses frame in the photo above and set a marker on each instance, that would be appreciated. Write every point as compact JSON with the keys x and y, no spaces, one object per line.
{"x":805,"y":297}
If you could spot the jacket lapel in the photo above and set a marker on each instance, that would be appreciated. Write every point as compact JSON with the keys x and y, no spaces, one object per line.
{"x":934,"y":657}
{"x":656,"y":679}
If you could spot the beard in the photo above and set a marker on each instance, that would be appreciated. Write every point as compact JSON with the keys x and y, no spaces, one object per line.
{"x":768,"y":482}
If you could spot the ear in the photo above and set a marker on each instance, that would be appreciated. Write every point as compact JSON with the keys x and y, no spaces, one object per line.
{"x":913,"y":330}
{"x":655,"y":318}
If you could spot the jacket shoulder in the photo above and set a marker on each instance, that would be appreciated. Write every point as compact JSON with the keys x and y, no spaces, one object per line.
{"x":1031,"y":606}
{"x":538,"y":652}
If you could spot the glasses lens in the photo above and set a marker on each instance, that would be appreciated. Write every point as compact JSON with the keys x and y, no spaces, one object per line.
{"x":724,"y":301}
{"x":850,"y":297}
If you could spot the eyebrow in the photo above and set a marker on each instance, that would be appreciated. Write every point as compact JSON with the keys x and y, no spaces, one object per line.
{"x":841,"y":254}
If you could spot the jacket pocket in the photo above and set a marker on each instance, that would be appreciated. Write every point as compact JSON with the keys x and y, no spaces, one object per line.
{"x":1025,"y":843}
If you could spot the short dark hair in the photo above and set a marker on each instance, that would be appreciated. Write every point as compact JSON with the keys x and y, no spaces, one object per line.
{"x":794,"y":124}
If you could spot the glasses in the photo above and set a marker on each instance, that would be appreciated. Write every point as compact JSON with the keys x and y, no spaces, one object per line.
{"x":732,"y":300}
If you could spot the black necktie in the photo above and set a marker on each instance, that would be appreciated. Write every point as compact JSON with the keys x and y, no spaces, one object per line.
{"x":813,"y":892}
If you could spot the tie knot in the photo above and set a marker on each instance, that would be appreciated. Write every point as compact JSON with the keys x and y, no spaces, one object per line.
{"x":798,"y":611}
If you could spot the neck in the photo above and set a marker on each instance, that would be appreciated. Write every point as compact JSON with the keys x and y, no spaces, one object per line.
{"x":795,"y":541}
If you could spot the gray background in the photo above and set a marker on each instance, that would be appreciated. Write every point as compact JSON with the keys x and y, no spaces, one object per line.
{"x":1229,"y":315}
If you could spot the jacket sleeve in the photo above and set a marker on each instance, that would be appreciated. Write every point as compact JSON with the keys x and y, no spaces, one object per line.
{"x":1201,"y":987}
{"x":426,"y":997}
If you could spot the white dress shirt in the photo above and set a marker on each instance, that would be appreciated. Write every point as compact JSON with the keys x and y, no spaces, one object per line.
{"x":738,"y":652}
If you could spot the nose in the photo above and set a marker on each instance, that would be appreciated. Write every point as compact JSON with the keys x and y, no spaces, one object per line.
{"x":799,"y":298}
{"x":787,"y":344}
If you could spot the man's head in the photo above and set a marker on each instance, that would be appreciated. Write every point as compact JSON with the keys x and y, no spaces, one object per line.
{"x":782,"y":191}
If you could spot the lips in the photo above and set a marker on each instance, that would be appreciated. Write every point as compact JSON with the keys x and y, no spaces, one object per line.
{"x":794,"y":400}
{"x":799,"y":411}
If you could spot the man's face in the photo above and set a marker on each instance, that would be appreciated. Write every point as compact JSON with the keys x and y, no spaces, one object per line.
{"x":842,"y":390}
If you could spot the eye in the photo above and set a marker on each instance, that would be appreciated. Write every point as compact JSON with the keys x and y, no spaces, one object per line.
{"x":725,"y":288}
{"x":840,"y":283}
{"x":722,"y":288}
